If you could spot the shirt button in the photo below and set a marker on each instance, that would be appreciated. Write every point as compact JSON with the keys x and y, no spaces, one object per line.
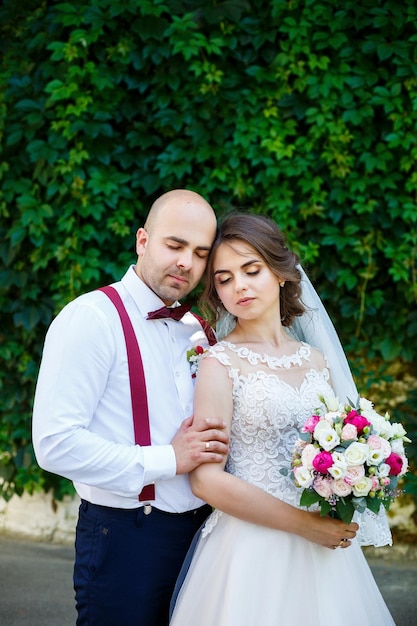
{"x":187,"y":407}
{"x":177,"y":374}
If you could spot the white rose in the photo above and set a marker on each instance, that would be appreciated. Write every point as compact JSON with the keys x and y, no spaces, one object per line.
{"x":356,"y":453}
{"x":328,"y":439}
{"x":362,"y":487}
{"x":303,"y":477}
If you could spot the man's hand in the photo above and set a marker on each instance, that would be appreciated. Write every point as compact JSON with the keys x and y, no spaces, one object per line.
{"x":209,"y":443}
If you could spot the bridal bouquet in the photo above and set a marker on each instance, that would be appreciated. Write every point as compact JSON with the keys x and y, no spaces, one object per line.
{"x":349,"y":459}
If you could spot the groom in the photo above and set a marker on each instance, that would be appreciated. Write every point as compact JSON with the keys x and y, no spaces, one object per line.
{"x":129,"y":551}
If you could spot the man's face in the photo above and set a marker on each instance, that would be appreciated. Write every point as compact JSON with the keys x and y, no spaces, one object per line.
{"x":173,"y":255}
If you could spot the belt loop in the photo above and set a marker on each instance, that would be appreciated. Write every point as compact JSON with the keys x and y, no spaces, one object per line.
{"x":84,"y":506}
{"x":139,"y":517}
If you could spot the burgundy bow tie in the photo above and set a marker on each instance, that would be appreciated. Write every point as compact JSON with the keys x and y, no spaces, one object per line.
{"x":176,"y":313}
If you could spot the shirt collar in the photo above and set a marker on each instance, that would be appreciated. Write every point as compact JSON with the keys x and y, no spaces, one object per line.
{"x":145,"y":299}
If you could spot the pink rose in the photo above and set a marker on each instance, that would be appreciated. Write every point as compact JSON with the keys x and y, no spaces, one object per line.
{"x":385,"y":447}
{"x":349,"y":432}
{"x":354,"y":473}
{"x":375,"y":483}
{"x":341,"y":488}
{"x":353,"y":417}
{"x":396,"y":464}
{"x":322,"y":461}
{"x":308,"y":455}
{"x":374,"y":442}
{"x":323,"y":486}
{"x":310,"y":424}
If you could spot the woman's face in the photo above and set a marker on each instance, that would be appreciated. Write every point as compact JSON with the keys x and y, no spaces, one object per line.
{"x":244,"y":283}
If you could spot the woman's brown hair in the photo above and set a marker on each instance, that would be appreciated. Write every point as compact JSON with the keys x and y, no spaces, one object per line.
{"x":268,"y":241}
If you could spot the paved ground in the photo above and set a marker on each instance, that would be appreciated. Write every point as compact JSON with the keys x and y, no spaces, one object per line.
{"x":36,"y":585}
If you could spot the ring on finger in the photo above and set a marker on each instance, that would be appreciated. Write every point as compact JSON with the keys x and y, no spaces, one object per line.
{"x":207,"y":446}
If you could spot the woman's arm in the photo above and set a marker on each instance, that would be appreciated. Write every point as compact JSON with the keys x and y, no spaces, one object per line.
{"x":213,"y":397}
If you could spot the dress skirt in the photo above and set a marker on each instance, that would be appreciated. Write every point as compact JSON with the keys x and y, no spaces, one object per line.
{"x":243,"y":574}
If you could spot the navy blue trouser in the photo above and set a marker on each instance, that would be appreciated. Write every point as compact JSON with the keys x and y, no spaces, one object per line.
{"x":126,"y":563}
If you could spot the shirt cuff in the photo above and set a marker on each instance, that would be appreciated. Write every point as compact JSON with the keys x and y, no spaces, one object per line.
{"x":159,"y":463}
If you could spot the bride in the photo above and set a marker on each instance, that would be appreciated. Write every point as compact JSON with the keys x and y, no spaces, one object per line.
{"x":261,"y":558}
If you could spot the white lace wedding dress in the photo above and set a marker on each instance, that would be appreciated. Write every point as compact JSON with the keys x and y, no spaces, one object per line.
{"x":244,"y":574}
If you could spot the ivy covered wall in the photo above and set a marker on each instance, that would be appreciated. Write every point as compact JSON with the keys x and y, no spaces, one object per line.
{"x":302,"y":110}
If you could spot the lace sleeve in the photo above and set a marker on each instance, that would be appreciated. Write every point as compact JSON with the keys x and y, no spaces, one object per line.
{"x":374,"y":529}
{"x":218,"y":352}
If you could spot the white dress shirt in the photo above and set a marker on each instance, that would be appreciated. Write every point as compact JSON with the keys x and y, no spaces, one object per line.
{"x":82,"y":418}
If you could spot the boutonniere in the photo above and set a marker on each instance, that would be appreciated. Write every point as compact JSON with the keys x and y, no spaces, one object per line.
{"x":193,"y":357}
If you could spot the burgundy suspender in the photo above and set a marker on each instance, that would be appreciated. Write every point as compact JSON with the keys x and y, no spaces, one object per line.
{"x":137,"y":383}
{"x":137,"y":378}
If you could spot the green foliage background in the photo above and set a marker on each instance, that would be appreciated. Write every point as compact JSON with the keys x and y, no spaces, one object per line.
{"x":302,"y":110}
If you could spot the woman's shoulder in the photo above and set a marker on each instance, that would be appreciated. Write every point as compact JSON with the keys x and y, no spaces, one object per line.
{"x":317,"y":358}
{"x":219,"y":351}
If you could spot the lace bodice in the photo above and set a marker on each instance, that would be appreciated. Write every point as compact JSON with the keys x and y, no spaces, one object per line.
{"x":272,"y":397}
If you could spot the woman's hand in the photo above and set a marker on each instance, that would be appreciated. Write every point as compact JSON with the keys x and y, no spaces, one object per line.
{"x":329,"y":532}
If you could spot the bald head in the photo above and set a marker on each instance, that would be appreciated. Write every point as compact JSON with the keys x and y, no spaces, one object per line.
{"x":172,"y":200}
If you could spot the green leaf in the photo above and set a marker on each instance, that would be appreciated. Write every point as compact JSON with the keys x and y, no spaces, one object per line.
{"x":374,"y":504}
{"x":309,"y":497}
{"x":345,"y":510}
{"x":326,"y":509}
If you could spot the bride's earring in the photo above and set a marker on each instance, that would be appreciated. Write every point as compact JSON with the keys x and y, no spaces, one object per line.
{"x":282,"y":283}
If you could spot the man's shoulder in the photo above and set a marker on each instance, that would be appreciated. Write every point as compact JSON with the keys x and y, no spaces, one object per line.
{"x":92,"y":302}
